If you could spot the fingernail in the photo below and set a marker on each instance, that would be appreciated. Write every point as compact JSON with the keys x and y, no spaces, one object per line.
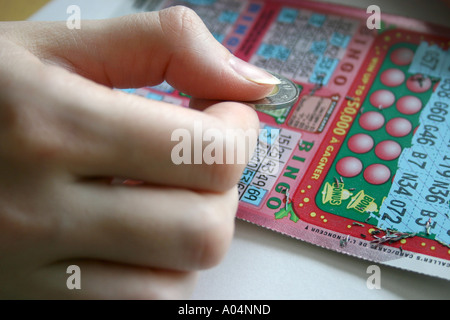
{"x":251,"y":72}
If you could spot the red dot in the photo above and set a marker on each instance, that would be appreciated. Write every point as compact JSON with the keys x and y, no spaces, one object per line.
{"x":349,"y":167}
{"x":392,"y":77}
{"x":371,"y":120}
{"x":398,"y":127}
{"x":360,"y":143}
{"x":402,"y":56}
{"x":388,"y":150}
{"x":418,"y":83}
{"x":409,"y":105}
{"x":382,"y":98}
{"x":435,"y":86}
{"x":377,"y":173}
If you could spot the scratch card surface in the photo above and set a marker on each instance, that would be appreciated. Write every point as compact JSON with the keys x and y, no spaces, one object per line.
{"x":360,"y":164}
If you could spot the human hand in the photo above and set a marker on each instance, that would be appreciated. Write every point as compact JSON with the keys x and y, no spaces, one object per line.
{"x":64,"y":133}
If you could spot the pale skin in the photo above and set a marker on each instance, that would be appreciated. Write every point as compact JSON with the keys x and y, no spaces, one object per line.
{"x":64,"y":133}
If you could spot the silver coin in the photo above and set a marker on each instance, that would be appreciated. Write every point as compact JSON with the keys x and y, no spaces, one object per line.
{"x":284,"y":95}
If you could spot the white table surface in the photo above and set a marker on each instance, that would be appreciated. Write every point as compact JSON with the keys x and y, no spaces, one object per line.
{"x":262,"y":264}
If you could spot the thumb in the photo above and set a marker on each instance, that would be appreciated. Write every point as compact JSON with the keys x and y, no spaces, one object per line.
{"x":145,"y":49}
{"x":203,"y":68}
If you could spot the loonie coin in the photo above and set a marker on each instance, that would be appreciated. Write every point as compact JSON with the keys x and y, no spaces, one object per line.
{"x":284,"y":95}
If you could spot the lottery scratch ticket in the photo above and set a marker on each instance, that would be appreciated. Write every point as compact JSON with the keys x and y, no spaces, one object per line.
{"x":360,"y":164}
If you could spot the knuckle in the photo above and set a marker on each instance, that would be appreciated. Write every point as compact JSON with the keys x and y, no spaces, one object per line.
{"x":180,"y":22}
{"x":235,"y":148}
{"x":209,"y":240}
{"x":33,"y":142}
{"x":223,"y":177}
{"x":185,"y":16}
{"x":237,"y":151}
{"x":27,"y":126}
{"x":32,"y":226}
